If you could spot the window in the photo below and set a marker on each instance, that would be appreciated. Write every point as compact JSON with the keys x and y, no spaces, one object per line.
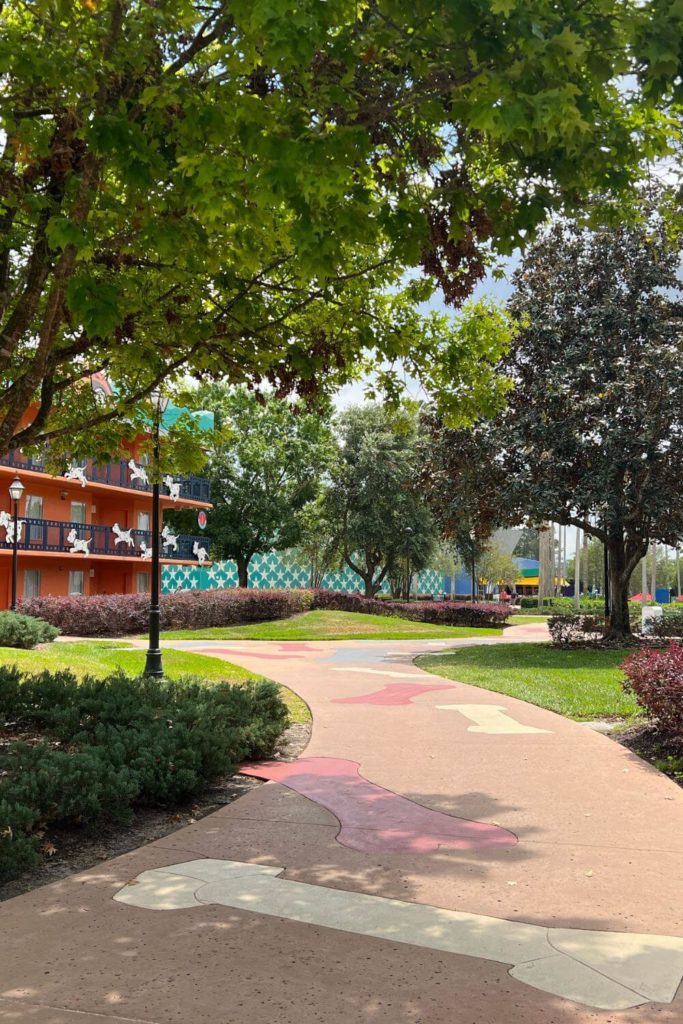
{"x":34,"y":510}
{"x":78,"y":512}
{"x":32,"y":583}
{"x":143,"y":521}
{"x":142,"y":583}
{"x":76,"y":583}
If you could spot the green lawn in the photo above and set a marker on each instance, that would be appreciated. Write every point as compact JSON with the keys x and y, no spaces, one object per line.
{"x":331,"y":625}
{"x":100,"y":659}
{"x":579,"y":684}
{"x":525,"y":620}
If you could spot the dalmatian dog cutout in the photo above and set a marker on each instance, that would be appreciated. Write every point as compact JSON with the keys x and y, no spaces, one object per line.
{"x":78,"y":544}
{"x":137,"y":472}
{"x":122,"y":536}
{"x":200,"y":553}
{"x":169,"y":539}
{"x":145,"y":552}
{"x":173,"y":487}
{"x":76,"y":473}
{"x":7,"y":521}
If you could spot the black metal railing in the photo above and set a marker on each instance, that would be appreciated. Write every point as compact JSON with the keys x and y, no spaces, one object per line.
{"x":57,"y":535}
{"x":118,"y":474}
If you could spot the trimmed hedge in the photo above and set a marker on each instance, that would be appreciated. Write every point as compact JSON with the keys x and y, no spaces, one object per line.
{"x":444,"y":613}
{"x":92,"y":749}
{"x":656,"y":679}
{"x":566,"y":630}
{"x":122,"y":614}
{"x":24,"y":631}
{"x":670,"y":624}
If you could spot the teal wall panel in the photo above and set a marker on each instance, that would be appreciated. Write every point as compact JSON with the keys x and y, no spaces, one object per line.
{"x":271,"y":571}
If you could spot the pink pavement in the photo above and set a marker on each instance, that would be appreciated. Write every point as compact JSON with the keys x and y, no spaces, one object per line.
{"x":600,"y":847}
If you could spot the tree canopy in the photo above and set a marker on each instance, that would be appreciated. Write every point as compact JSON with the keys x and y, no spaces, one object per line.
{"x":593,"y":435}
{"x":234,"y":188}
{"x":375,"y":502}
{"x":265,"y":465}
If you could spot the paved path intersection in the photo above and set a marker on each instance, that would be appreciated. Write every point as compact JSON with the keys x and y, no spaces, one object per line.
{"x":439,"y":854}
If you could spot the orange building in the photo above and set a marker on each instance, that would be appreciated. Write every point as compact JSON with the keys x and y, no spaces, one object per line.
{"x":104,"y":510}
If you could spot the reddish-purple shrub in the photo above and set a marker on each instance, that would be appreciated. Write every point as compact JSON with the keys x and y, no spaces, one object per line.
{"x":443,"y":613}
{"x":656,"y":679}
{"x":121,"y":614}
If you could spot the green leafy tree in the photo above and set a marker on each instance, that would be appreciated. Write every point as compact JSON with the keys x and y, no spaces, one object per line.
{"x":527,"y":545}
{"x":319,"y":544}
{"x":375,"y":499}
{"x":496,"y":566}
{"x":234,"y":188}
{"x":594,"y":434}
{"x":465,"y":487}
{"x":265,"y":467}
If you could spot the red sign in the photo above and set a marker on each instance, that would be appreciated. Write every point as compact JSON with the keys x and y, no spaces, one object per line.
{"x":201,"y":520}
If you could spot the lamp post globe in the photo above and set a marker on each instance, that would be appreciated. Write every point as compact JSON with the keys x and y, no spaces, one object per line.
{"x":16,"y":490}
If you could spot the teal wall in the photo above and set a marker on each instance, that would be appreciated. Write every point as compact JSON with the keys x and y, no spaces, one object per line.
{"x":272,"y":572}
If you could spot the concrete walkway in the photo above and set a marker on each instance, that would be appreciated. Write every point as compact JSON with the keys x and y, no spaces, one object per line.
{"x":440,"y":853}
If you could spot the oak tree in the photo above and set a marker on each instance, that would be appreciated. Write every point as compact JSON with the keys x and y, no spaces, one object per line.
{"x":234,"y":188}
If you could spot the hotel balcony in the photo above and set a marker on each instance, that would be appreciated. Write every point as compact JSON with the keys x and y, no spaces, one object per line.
{"x":114,"y":474}
{"x":52,"y":535}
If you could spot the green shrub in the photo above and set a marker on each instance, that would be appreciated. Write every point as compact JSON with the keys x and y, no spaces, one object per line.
{"x":104,"y":745}
{"x":566,"y":630}
{"x":24,"y":631}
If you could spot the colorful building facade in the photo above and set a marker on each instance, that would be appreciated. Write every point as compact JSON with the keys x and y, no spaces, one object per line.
{"x":88,"y":532}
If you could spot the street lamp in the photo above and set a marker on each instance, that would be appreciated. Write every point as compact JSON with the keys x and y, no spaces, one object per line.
{"x":153,"y":662}
{"x":409,"y":533}
{"x":16,"y":490}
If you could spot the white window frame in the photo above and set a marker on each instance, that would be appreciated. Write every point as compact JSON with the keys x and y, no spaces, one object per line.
{"x":73,"y":573}
{"x":142,"y":582}
{"x":82,"y":505}
{"x":33,"y":574}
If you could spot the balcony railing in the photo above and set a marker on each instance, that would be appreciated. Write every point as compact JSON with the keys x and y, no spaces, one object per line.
{"x":118,"y":474}
{"x":57,"y":535}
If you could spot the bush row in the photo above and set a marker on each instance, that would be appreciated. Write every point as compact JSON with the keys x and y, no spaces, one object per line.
{"x":445,"y":613}
{"x":121,"y":614}
{"x":24,"y":631}
{"x":572,"y":629}
{"x":94,"y":748}
{"x":567,"y":630}
{"x":656,"y":679}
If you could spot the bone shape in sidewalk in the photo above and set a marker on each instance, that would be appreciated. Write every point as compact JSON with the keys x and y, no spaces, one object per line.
{"x":605,"y":970}
{"x":489,"y":718}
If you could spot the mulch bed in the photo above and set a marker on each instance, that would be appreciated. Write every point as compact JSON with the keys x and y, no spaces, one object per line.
{"x":655,"y":747}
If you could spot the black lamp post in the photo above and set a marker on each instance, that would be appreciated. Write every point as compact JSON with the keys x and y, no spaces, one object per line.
{"x":409,"y":534}
{"x":153,"y":662}
{"x":16,"y":489}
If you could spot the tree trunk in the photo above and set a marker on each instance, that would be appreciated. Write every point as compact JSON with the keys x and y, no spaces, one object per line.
{"x":618,"y":621}
{"x":546,"y":559}
{"x":577,"y":571}
{"x":243,"y":570}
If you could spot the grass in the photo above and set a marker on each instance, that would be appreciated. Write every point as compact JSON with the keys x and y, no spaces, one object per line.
{"x":524,"y":620}
{"x":333,"y":625}
{"x":101,"y":659}
{"x":578,"y":684}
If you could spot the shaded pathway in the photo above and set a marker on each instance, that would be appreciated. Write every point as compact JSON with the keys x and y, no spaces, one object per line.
{"x":600,"y":848}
